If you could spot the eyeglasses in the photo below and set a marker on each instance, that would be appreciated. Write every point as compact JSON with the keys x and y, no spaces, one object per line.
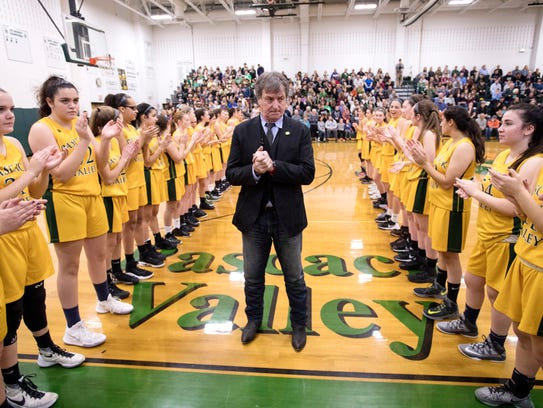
{"x":133,"y":107}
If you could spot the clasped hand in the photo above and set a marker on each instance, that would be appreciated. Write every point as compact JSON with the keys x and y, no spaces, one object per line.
{"x":262,"y":162}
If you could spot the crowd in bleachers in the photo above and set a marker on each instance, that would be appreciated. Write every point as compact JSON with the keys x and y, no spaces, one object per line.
{"x":337,"y":97}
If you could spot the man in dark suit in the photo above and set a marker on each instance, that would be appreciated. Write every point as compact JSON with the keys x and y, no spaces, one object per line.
{"x":271,"y":158}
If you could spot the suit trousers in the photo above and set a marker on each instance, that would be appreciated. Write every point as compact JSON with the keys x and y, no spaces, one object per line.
{"x":256,"y":250}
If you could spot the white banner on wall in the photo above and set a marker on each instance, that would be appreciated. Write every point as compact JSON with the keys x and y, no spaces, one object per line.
{"x":17,"y":44}
{"x":54,"y":56}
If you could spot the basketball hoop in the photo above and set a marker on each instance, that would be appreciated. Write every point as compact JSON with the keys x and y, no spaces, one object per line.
{"x":102,"y":62}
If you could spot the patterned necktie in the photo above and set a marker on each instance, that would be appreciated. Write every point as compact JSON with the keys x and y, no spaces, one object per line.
{"x":269,"y":133}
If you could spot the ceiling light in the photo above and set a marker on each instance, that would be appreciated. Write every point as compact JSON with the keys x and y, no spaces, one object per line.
{"x":161,"y":17}
{"x":459,"y":2}
{"x":245,"y":12}
{"x":365,"y":6}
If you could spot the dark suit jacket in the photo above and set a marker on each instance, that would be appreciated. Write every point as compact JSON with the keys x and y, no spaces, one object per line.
{"x":295,"y":166}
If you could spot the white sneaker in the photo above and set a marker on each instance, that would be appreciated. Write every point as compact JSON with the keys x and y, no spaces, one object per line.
{"x":375,"y":196}
{"x":50,"y":356}
{"x":79,"y":335}
{"x":26,"y":394}
{"x":112,"y":305}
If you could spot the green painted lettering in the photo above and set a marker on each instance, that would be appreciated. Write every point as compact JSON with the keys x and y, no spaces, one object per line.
{"x":326,"y":265}
{"x":337,"y":313}
{"x":143,"y":301}
{"x":365,"y":264}
{"x":223,"y":311}
{"x":198,"y":262}
{"x":422,"y":328}
{"x":234,"y":260}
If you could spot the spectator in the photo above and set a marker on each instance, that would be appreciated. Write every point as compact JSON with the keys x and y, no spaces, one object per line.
{"x":492,"y":126}
{"x":331,"y":128}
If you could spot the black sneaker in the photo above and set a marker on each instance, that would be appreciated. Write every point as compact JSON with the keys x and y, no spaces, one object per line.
{"x":132,"y":269}
{"x":180,"y":232}
{"x":186,"y":227}
{"x":426,"y":275}
{"x":382,"y":217}
{"x":150,"y":259}
{"x":191,"y":220}
{"x":153,"y":250}
{"x":117,"y":292}
{"x":198,"y":212}
{"x":401,"y":248}
{"x":121,"y":277}
{"x":403,"y":232}
{"x":439,"y":311}
{"x":416,"y":263}
{"x":205,"y":205}
{"x":435,"y":290}
{"x":388,"y":225}
{"x":399,"y":243}
{"x":170,"y":237}
{"x":216,"y":192}
{"x":162,"y":243}
{"x":405,"y":256}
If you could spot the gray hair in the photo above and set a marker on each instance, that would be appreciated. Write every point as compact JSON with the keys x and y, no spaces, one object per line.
{"x":271,"y":82}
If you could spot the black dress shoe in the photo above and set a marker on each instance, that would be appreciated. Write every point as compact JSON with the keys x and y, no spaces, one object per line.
{"x":249,"y":332}
{"x":299,"y":338}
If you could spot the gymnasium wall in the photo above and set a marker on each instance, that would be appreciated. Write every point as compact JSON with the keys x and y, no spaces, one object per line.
{"x":155,"y":59}
{"x":129,"y":41}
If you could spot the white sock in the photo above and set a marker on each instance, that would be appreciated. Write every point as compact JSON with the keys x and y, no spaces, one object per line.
{"x":176,"y":222}
{"x":167,"y":229}
{"x":394,"y":218}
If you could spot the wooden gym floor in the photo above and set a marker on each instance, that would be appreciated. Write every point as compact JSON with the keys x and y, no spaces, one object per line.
{"x":370,"y":345}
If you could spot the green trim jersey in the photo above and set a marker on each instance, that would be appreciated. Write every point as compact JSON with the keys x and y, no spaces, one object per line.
{"x":119,"y":187}
{"x":85,"y":180}
{"x":448,"y":198}
{"x":134,"y":171}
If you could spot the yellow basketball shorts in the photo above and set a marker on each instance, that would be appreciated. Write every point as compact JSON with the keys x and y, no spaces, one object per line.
{"x":71,"y":217}
{"x":137,"y":197}
{"x":176,"y":188}
{"x":25,"y":261}
{"x":520,"y":297}
{"x":448,"y":229}
{"x":117,"y":212}
{"x":491,"y":261}
{"x":417,"y":199}
{"x":156,"y":187}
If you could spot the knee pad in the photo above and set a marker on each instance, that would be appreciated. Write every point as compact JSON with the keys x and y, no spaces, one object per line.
{"x":34,"y":314}
{"x":14,"y":313}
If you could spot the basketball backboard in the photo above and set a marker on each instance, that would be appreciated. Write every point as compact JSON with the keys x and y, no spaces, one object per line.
{"x":83,"y":41}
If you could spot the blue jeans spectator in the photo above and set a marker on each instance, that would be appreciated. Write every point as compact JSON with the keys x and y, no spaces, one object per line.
{"x":256,"y":250}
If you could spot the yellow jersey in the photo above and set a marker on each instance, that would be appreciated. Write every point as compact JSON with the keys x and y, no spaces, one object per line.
{"x":492,"y":226}
{"x":85,"y":180}
{"x":119,"y":187}
{"x":11,"y":168}
{"x":449,"y":199}
{"x":529,"y":246}
{"x":134,"y":172}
